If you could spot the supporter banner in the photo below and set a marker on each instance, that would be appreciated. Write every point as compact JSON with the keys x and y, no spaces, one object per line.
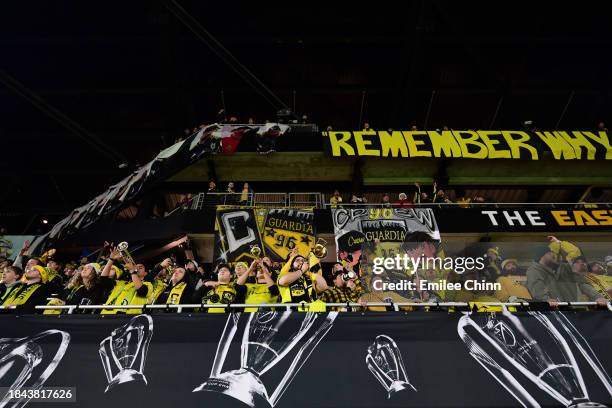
{"x":491,"y":219}
{"x":284,"y":359}
{"x":275,"y":231}
{"x":358,"y":228}
{"x":470,"y":144}
{"x":267,"y":136}
{"x":212,"y":139}
{"x":225,"y":138}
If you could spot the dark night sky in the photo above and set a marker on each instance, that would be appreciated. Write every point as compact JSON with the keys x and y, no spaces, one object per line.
{"x":131,"y":74}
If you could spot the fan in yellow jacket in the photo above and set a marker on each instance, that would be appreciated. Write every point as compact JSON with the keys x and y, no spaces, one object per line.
{"x":598,"y":278}
{"x":221,"y":291}
{"x":263,"y":291}
{"x":135,"y":292}
{"x":295,"y":281}
{"x":513,"y":285}
{"x":33,"y":291}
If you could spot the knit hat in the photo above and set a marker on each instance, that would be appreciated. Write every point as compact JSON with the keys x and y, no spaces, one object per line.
{"x":540,"y":251}
{"x":44,"y":276}
{"x":601,"y":264}
{"x":495,"y":250}
{"x":507,"y":261}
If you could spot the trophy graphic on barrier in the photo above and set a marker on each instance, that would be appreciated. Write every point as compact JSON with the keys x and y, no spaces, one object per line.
{"x":124,"y":352}
{"x":384,"y":360}
{"x":267,"y":338}
{"x":542,"y":354}
{"x":24,"y":363}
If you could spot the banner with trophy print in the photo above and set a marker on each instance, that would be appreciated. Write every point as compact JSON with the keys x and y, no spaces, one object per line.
{"x":275,"y":231}
{"x":284,"y":359}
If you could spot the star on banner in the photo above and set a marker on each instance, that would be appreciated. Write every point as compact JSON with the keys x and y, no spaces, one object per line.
{"x":305,"y":239}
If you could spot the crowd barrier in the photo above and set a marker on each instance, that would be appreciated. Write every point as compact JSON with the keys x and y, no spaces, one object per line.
{"x":295,"y":306}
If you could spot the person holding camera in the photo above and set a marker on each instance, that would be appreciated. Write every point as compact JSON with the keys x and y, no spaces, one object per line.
{"x":345,"y":286}
{"x":221,"y":291}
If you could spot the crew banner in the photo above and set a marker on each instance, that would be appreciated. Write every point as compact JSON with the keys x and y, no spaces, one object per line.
{"x":276,"y":231}
{"x":384,"y":228}
{"x":470,"y":144}
{"x":314,"y":360}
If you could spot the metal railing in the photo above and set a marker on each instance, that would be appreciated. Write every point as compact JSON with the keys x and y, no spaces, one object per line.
{"x":305,"y":199}
{"x":202,"y":200}
{"x":315,"y":199}
{"x":467,"y":205}
{"x":270,"y":199}
{"x":296,"y":306}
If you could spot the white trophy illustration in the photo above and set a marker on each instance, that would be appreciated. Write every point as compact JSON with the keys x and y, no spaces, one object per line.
{"x":384,"y":360}
{"x":542,"y":355}
{"x":267,"y":338}
{"x":124,"y":352}
{"x":24,"y":363}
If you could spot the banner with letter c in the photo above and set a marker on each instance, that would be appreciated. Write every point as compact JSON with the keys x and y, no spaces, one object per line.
{"x":276,"y":231}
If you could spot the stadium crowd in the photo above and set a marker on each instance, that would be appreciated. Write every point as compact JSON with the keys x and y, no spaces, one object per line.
{"x":419,"y":198}
{"x":558,"y":272}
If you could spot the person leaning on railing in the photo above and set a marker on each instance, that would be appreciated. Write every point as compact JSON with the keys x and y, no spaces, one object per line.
{"x":335,"y":200}
{"x":245,"y":194}
{"x":420,"y":197}
{"x":403,"y":201}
